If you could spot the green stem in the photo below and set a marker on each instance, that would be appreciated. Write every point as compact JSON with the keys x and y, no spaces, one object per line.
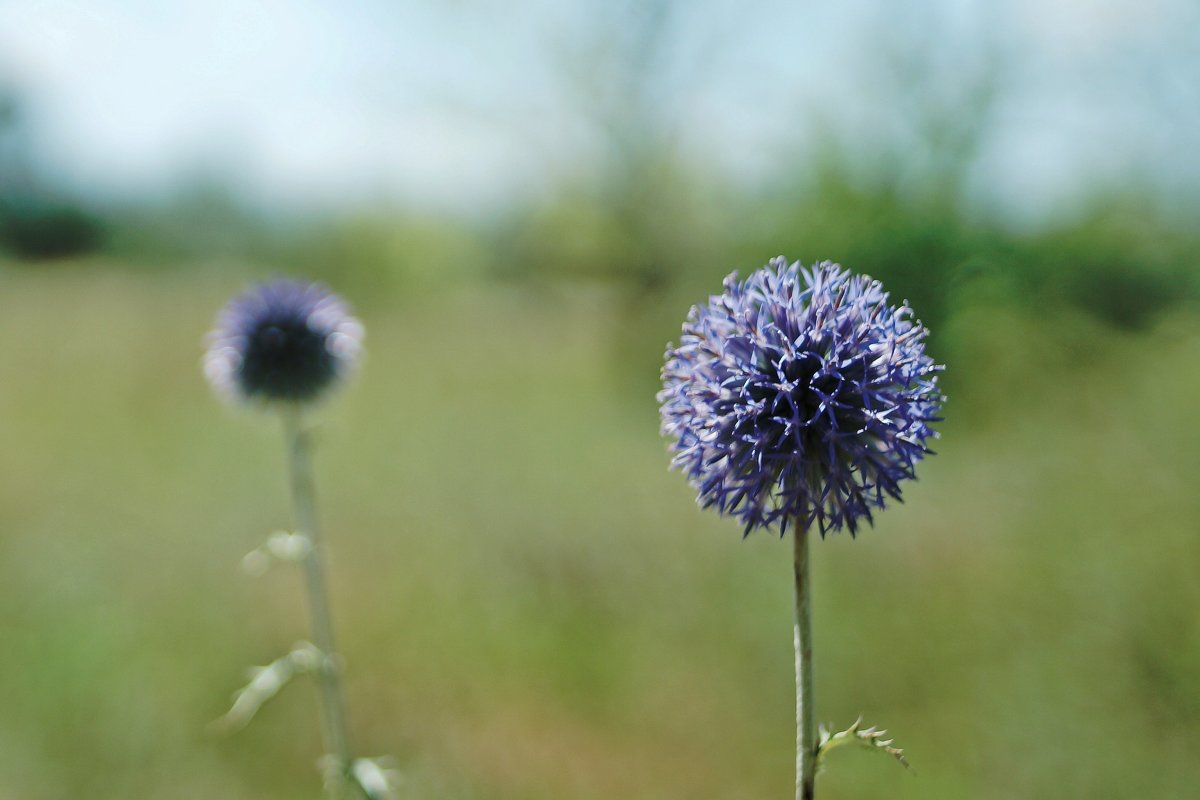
{"x":333,"y":714}
{"x":806,"y":725}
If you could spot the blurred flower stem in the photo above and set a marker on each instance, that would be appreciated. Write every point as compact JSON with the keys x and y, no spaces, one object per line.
{"x":806,"y":726}
{"x":333,"y":709}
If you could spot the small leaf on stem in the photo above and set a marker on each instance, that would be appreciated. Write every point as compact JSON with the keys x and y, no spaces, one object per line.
{"x":377,"y":781}
{"x":280,"y":546}
{"x":266,"y":682}
{"x":871,"y":738}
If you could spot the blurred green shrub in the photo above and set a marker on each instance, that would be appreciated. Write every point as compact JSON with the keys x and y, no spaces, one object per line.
{"x":36,"y":232}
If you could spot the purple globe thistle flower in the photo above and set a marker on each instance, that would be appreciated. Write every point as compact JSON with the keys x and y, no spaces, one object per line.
{"x":799,"y":394}
{"x":285,"y":341}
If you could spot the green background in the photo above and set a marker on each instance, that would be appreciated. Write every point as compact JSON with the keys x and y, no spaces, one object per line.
{"x":532,"y":606}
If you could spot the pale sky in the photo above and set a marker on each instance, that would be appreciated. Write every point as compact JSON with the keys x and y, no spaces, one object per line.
{"x":459,"y":104}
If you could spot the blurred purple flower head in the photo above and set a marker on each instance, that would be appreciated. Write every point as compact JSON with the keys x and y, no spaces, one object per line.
{"x":799,"y":395}
{"x":284,"y":341}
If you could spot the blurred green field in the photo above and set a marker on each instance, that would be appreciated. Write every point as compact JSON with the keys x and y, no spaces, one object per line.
{"x":531,"y":605}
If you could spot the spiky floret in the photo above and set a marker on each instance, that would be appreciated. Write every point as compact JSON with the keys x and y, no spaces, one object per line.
{"x":283,"y":341}
{"x":799,"y":394}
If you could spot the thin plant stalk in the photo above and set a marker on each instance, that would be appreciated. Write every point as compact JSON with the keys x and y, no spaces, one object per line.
{"x":333,"y":706}
{"x":806,"y":725}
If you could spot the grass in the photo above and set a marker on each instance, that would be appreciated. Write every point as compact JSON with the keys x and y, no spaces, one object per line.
{"x":531,"y":606}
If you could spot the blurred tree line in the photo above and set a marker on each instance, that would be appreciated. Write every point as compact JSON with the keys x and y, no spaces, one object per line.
{"x":647,"y":218}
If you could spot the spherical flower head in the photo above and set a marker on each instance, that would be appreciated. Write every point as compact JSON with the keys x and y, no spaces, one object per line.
{"x":799,"y":395}
{"x":285,"y":341}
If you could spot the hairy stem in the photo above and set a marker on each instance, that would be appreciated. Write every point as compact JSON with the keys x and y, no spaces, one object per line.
{"x":333,"y":709}
{"x":806,"y":724}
